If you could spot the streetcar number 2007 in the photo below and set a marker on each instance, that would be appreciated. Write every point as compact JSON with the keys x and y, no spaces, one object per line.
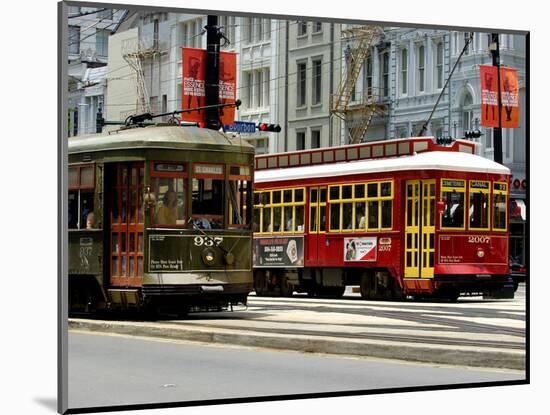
{"x":475,"y":239}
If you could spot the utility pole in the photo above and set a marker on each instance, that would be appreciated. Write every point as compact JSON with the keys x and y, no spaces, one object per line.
{"x":494,"y":47}
{"x":212,"y":72}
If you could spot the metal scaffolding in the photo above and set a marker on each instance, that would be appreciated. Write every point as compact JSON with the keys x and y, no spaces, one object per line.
{"x":357,"y":113}
{"x":134,"y":52}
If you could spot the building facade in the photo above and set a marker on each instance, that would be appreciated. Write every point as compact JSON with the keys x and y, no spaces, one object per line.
{"x":88,"y":34}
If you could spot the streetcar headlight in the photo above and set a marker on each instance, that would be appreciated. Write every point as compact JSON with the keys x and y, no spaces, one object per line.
{"x":480,"y":253}
{"x":208,"y":256}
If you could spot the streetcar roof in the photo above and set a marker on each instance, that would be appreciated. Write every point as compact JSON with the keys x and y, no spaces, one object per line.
{"x":431,"y":160}
{"x":164,"y":136}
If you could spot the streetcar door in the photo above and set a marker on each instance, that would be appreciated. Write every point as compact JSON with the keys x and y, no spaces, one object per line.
{"x":126,"y":224}
{"x":419,"y":228}
{"x":317,"y":225}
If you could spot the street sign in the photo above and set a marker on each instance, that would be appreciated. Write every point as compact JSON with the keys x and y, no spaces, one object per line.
{"x":241,"y":127}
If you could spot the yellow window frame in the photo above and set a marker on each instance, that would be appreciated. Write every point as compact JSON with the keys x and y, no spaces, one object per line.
{"x":341,"y":201}
{"x":501,"y":192}
{"x":281,"y":204}
{"x":451,"y":189}
{"x":489,"y":204}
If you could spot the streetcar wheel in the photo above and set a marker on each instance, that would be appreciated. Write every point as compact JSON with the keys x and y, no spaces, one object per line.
{"x":331,"y":292}
{"x":259,"y":283}
{"x":366,"y":287}
{"x":286,"y":288}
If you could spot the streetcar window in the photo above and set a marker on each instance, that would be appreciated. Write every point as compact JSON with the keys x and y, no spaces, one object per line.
{"x":73,"y":210}
{"x":299,"y":218}
{"x":356,"y":211}
{"x":499,"y":206}
{"x":479,"y":204}
{"x":386,"y":214}
{"x":208,"y":203}
{"x":479,"y":210}
{"x":288,"y":219}
{"x":373,"y":215}
{"x":347,"y":216}
{"x":281,"y":215}
{"x":453,"y":215}
{"x":81,"y":197}
{"x":239,"y":192}
{"x":360,"y":221}
{"x":334,"y":217}
{"x":170,"y":201}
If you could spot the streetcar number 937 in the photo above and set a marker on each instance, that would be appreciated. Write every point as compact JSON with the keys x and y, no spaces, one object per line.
{"x":202,"y":241}
{"x":476,"y":239}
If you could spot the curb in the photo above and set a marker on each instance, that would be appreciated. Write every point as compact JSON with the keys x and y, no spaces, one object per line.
{"x":411,"y":352}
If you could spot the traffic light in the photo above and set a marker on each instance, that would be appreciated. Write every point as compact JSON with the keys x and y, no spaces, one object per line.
{"x":472,"y":134}
{"x":444,"y":140}
{"x":272,"y":128}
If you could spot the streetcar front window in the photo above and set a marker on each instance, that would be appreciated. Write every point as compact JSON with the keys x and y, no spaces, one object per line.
{"x":208,"y":203}
{"x":453,"y":193}
{"x":170,"y":201}
{"x":453,"y":215}
{"x":479,"y":204}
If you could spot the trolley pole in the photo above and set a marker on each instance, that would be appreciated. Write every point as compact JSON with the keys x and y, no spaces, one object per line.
{"x":494,"y":46}
{"x":212,"y":72}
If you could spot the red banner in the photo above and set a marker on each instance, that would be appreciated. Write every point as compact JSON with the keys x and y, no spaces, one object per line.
{"x":193,"y":84}
{"x":509,"y":90}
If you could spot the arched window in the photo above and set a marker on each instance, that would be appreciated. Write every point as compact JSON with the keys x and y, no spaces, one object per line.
{"x":467,"y":112}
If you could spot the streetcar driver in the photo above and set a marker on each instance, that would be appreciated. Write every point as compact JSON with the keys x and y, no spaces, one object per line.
{"x":167,"y":213}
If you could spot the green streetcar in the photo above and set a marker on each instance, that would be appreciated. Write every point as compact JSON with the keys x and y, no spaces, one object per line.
{"x":159,"y":218}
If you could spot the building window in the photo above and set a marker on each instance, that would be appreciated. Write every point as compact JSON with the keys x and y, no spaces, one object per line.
{"x":102,"y":41}
{"x":105,"y":14}
{"x":154,"y":104}
{"x":404,"y":72}
{"x":439,"y":65}
{"x":467,"y":113}
{"x":74,"y":39}
{"x":315,"y":138}
{"x":266,"y":87}
{"x":466,"y":38}
{"x":248,"y":29}
{"x":258,"y":89}
{"x":420,"y":68}
{"x":385,"y":74}
{"x":301,"y":90}
{"x":302,"y":28}
{"x":317,"y":27}
{"x":488,"y":138}
{"x":300,"y":140}
{"x":257,"y":30}
{"x":368,"y":75}
{"x":247,"y":93}
{"x":74,"y":11}
{"x":266,"y":29}
{"x":316,"y":81}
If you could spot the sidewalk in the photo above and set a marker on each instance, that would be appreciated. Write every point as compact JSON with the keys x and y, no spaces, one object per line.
{"x":468,"y":333}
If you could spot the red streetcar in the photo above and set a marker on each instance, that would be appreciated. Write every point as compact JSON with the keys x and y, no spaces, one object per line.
{"x":408,"y":217}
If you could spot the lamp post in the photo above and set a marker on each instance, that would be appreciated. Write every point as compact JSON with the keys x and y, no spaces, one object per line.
{"x":494,"y":47}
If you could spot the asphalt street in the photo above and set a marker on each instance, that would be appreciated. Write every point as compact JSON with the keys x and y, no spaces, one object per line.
{"x":121,"y":370}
